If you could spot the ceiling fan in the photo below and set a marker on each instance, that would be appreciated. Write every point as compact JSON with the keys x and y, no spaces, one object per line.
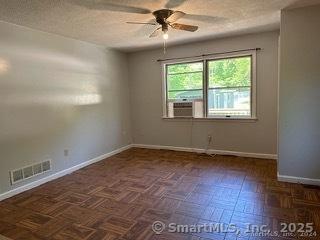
{"x":167,"y":18}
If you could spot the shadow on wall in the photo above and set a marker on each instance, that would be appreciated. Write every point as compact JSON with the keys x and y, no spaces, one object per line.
{"x":41,"y":91}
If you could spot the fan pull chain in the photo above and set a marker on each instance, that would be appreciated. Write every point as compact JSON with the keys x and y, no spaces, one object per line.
{"x":164,"y":46}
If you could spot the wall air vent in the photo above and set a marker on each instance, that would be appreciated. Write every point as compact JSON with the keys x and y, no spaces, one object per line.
{"x":16,"y":176}
{"x":46,"y":166}
{"x":27,"y":172}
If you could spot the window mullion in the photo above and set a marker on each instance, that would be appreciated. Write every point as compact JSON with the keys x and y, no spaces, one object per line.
{"x":166,"y":91}
{"x":205,"y":88}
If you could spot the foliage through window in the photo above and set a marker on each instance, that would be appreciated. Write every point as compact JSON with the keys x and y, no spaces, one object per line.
{"x":217,"y":88}
{"x":185,"y":81}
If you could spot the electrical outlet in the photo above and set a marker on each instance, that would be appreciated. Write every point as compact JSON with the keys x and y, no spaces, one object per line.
{"x":66,"y":152}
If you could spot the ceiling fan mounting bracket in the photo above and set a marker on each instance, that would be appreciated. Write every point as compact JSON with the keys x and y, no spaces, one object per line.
{"x":162,"y":14}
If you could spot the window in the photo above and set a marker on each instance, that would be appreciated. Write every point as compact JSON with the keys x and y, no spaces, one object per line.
{"x":222,"y":87}
{"x":185,"y":83}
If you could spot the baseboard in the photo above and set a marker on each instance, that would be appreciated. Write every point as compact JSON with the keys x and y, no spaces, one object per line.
{"x":302,"y":180}
{"x":62,"y":173}
{"x":210,"y":151}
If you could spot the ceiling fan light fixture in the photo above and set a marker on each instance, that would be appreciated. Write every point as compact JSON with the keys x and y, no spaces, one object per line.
{"x":165,"y":18}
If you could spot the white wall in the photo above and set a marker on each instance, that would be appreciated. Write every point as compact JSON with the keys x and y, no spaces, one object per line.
{"x":299,"y":94}
{"x":55,"y":94}
{"x":242,"y":136}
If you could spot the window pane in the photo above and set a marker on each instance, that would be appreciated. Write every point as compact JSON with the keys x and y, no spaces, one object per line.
{"x":185,"y":81}
{"x":184,"y":67}
{"x":234,"y":101}
{"x":189,"y":94}
{"x":232,"y":72}
{"x":229,"y":92}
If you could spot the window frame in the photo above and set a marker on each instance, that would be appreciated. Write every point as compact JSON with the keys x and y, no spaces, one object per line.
{"x":166,"y":82}
{"x":205,"y":77}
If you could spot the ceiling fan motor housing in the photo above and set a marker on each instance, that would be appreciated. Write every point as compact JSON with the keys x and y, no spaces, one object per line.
{"x":161,"y":15}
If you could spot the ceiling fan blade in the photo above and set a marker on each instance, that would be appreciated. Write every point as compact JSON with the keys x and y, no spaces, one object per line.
{"x":204,"y":18}
{"x":174,"y":3}
{"x":175,"y":16}
{"x":184,"y":27}
{"x":100,"y":5}
{"x":147,"y":23}
{"x":156,"y":32}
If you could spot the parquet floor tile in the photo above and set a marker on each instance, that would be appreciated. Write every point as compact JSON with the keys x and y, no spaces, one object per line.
{"x":34,"y":221}
{"x":118,"y":225}
{"x":73,"y":231}
{"x":121,"y":197}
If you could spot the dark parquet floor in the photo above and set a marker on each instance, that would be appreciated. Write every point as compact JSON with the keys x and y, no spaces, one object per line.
{"x":120,"y":198}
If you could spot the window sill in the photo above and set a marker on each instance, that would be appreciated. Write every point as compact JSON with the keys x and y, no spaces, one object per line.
{"x":183,"y":119}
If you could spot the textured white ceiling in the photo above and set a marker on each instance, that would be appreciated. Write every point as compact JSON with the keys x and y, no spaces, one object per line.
{"x":103,"y":22}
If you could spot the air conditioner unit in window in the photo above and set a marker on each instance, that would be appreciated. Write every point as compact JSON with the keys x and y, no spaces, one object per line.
{"x":183,"y":109}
